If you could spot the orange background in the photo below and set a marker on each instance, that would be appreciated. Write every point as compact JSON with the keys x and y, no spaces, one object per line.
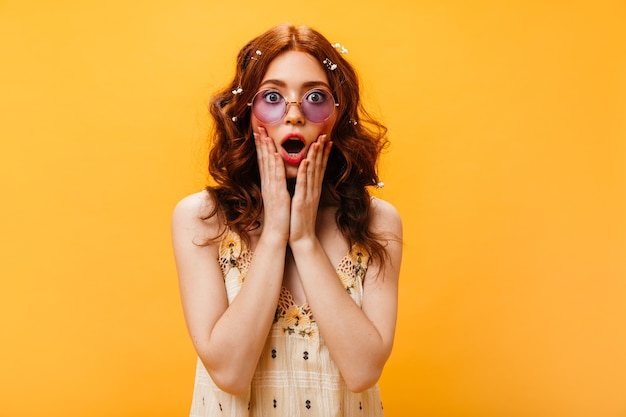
{"x":508,"y":165}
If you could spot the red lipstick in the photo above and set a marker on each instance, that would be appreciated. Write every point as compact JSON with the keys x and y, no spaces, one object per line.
{"x":293,"y":148}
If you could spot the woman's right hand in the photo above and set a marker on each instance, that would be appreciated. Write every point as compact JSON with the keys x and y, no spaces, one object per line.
{"x":276,"y":198}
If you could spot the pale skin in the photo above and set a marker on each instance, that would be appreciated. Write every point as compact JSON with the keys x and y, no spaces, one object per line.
{"x":298,"y":246}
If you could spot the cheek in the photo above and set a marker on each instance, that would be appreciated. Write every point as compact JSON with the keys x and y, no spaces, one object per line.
{"x":328,"y":125}
{"x":256,"y":124}
{"x":269,"y":129}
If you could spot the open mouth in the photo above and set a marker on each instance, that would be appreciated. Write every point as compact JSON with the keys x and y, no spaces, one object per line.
{"x":293,"y":146}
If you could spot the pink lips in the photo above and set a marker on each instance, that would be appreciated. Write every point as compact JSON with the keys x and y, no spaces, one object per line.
{"x":293,"y":148}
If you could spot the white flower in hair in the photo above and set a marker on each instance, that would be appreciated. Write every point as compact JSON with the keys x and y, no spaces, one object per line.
{"x":329,"y":64}
{"x":340,"y":48}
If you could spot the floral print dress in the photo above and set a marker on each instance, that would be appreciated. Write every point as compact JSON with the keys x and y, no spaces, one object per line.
{"x":295,"y":375}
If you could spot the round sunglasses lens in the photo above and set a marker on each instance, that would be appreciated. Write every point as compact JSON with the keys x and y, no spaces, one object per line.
{"x":317,"y":105}
{"x":268,"y":106}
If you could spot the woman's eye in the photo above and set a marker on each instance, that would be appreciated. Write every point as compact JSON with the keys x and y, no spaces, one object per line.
{"x":272,"y":97}
{"x":316,"y":97}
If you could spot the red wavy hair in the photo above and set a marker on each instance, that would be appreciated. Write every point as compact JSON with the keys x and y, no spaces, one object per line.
{"x":357,"y":139}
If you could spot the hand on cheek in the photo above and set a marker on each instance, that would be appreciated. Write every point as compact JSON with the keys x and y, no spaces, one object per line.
{"x":305,"y":202}
{"x":276,"y":199}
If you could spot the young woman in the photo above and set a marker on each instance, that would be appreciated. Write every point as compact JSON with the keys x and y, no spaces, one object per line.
{"x":288,"y":268}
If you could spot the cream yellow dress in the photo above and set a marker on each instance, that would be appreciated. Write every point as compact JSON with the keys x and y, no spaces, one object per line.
{"x":295,"y":375}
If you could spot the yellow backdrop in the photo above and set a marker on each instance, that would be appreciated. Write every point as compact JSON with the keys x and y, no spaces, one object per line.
{"x":508,"y":165}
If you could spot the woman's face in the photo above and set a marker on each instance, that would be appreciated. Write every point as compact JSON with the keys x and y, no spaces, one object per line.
{"x":296,"y":77}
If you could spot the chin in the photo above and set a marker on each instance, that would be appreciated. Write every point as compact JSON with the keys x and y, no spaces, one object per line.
{"x":291,"y":172}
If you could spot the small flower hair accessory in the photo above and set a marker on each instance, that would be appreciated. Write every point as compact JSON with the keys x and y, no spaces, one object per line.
{"x":238,"y":90}
{"x":258,"y":54}
{"x":329,"y":64}
{"x":340,"y":48}
{"x":380,"y":184}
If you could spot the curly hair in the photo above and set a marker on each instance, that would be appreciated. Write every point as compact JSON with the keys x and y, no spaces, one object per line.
{"x":358,"y":139}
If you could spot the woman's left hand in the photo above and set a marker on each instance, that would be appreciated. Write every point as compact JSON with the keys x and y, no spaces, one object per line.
{"x":306,"y":198}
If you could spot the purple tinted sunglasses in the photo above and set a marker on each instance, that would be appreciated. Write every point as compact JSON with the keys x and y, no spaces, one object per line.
{"x":317,"y":105}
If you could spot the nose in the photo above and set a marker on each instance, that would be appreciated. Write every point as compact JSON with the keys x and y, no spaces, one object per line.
{"x":294,"y":113}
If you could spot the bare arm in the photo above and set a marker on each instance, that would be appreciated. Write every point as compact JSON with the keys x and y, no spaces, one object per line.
{"x":351,"y":332}
{"x":229,"y":338}
{"x":366,"y":333}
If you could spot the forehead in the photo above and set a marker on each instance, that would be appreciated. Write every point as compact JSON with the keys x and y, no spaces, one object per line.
{"x":295,"y":68}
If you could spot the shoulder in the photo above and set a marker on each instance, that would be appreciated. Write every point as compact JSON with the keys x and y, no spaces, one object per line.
{"x":385,"y":217}
{"x":195,"y":206}
{"x":194,"y":203}
{"x":383,"y":207}
{"x":197,"y":213}
{"x":386,"y":225}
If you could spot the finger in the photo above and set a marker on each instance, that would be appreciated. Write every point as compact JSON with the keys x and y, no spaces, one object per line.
{"x":326,"y":154}
{"x":323,"y":155}
{"x":266,"y":152}
{"x":274,"y":161}
{"x":279,"y":170}
{"x":320,"y":156}
{"x":301,"y":179}
{"x":266,"y":159}
{"x":275,"y":164}
{"x":268,"y":141}
{"x":314,"y":170}
{"x":259,"y":142}
{"x":262,"y":135}
{"x":260,"y":153}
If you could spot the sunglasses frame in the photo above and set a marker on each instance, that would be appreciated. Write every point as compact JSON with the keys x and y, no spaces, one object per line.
{"x":299,"y":103}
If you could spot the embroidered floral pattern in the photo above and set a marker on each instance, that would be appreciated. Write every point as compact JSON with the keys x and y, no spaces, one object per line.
{"x":233,"y":255}
{"x":347,"y":281}
{"x":294,"y":319}
{"x":230,"y":249}
{"x":352,"y":268}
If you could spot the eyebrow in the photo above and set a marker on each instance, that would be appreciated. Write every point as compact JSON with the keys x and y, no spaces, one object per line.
{"x":308,"y":84}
